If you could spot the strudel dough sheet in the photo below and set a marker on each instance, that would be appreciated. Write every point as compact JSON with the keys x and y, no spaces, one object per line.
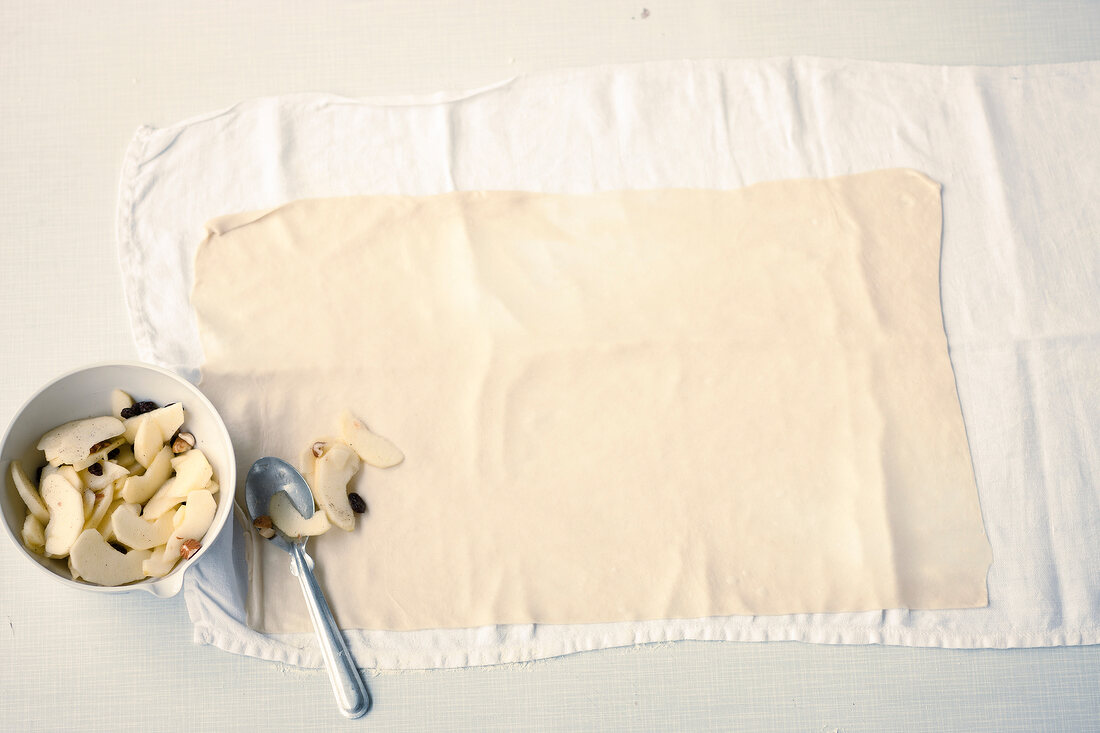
{"x":616,"y":406}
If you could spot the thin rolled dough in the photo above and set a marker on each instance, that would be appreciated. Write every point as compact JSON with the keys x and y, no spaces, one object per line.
{"x":615,"y":406}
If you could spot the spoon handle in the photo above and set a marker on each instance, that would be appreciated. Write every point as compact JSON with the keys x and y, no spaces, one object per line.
{"x":347,"y":685}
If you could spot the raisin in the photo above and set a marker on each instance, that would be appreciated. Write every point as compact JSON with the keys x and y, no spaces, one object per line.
{"x":96,"y":469}
{"x":140,"y":408}
{"x":357,"y":504}
{"x":114,"y":454}
{"x":126,"y":413}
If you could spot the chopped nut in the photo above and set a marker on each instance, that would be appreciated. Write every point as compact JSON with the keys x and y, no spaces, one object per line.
{"x":264,"y":526}
{"x":183,"y":442}
{"x":96,"y":469}
{"x":189,"y":548}
{"x":318,"y":449}
{"x":358,"y":505}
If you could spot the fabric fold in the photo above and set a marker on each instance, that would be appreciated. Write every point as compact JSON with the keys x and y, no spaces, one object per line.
{"x":1011,"y":146}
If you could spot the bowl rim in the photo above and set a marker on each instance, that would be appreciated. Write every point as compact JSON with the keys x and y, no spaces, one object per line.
{"x":171,"y":583}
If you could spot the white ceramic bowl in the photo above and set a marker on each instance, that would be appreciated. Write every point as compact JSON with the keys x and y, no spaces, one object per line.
{"x":86,"y":393}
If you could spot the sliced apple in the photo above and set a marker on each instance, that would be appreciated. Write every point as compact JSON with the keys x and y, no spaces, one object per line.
{"x":66,"y":507}
{"x":109,"y":472}
{"x":333,"y":470}
{"x":168,"y":419}
{"x":192,"y":475}
{"x":89,"y":504}
{"x":34,"y":534}
{"x":119,"y":402}
{"x":159,"y":563}
{"x":70,"y":474}
{"x":125,"y":457}
{"x":193,"y":471}
{"x":166,"y":498}
{"x":93,"y":559}
{"x":286,"y":517}
{"x":139,"y":534}
{"x":101,"y":454}
{"x":48,"y":469}
{"x":147,"y":442}
{"x":104,"y":526}
{"x":103,"y":499}
{"x":28,"y":493}
{"x":191,"y":522}
{"x":194,"y":517}
{"x":73,"y":441}
{"x":139,"y":489}
{"x":372,"y":448}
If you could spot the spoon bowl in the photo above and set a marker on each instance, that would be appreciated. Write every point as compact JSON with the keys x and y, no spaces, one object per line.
{"x":268,"y":477}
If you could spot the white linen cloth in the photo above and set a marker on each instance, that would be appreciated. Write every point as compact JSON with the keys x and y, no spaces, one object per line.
{"x":1015,"y":149}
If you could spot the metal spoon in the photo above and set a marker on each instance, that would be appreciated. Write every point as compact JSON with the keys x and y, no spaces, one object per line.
{"x":267,"y":477}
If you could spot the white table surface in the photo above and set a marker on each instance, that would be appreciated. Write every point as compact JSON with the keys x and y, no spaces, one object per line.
{"x":77,"y":78}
